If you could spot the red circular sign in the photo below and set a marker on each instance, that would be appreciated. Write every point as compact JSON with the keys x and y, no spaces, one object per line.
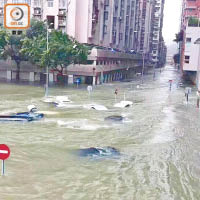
{"x":4,"y":152}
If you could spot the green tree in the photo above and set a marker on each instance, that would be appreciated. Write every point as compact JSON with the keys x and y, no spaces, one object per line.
{"x":10,"y":46}
{"x":36,"y":29}
{"x":62,"y":50}
{"x":176,"y":58}
{"x":179,"y":37}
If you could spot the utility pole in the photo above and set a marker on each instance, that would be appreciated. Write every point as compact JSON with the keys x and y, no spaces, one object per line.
{"x":47,"y":67}
{"x":143,"y":66}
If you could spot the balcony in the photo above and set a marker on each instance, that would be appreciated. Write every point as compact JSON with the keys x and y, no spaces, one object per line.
{"x":62,"y":12}
{"x":37,"y":12}
{"x":61,"y":22}
{"x":1,"y":11}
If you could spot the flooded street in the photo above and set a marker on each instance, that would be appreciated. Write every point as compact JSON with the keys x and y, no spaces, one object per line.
{"x":158,"y":141}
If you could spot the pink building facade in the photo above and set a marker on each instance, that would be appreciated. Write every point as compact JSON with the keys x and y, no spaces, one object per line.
{"x":190,"y":32}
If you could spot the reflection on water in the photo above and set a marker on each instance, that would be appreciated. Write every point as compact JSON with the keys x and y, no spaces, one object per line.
{"x":158,"y":141}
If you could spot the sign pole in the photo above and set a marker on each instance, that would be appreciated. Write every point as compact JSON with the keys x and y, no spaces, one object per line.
{"x":4,"y":154}
{"x":89,"y":89}
{"x":3,"y":168}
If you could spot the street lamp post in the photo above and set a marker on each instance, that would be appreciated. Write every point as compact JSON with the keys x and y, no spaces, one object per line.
{"x":102,"y":70}
{"x":47,"y":67}
{"x":143,"y":65}
{"x":154,"y":72}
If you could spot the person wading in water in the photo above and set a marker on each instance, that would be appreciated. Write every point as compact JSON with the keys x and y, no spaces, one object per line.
{"x":198,"y":98}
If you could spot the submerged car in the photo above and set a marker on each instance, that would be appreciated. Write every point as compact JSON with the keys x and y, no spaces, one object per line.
{"x":23,"y":116}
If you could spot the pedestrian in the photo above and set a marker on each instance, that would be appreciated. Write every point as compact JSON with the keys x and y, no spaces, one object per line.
{"x":198,"y":98}
{"x":187,"y":92}
{"x":116,"y":93}
{"x":170,"y":85}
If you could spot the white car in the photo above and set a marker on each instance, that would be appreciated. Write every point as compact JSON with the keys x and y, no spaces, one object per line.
{"x":95,"y":107}
{"x":56,"y":99}
{"x":123,"y":104}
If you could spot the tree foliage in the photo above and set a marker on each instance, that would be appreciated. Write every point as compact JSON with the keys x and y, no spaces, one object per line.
{"x":179,"y":37}
{"x":176,"y":58}
{"x":62,"y":50}
{"x":36,"y":29}
{"x":32,"y":46}
{"x":10,"y":46}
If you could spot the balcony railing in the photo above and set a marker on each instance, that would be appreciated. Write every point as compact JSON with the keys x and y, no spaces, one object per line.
{"x":37,"y":12}
{"x":1,"y":12}
{"x":61,"y":22}
{"x":62,"y":13}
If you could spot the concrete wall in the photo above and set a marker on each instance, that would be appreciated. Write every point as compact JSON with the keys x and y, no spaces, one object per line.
{"x":3,"y":74}
{"x":71,"y":18}
{"x":8,"y":71}
{"x":83,"y":19}
{"x":192,"y":49}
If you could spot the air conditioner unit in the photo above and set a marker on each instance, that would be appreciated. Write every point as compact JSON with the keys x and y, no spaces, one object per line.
{"x":114,"y":33}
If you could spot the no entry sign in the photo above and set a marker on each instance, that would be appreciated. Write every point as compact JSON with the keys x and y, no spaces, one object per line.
{"x":4,"y":152}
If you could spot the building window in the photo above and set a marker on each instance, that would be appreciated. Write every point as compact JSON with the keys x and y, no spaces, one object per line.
{"x":37,"y":3}
{"x":104,"y":29}
{"x":1,"y":3}
{"x":188,"y":40}
{"x":122,"y":15}
{"x":50,"y":3}
{"x":106,"y":3}
{"x":21,"y":1}
{"x":62,"y":3}
{"x":105,"y":15}
{"x":154,"y":52}
{"x":121,"y":36}
{"x":187,"y":59}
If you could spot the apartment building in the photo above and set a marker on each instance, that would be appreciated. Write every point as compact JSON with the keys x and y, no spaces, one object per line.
{"x":151,"y":42}
{"x":145,"y":26}
{"x":109,"y":23}
{"x":118,"y":25}
{"x":158,"y":45}
{"x":190,"y":32}
{"x":121,"y":24}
